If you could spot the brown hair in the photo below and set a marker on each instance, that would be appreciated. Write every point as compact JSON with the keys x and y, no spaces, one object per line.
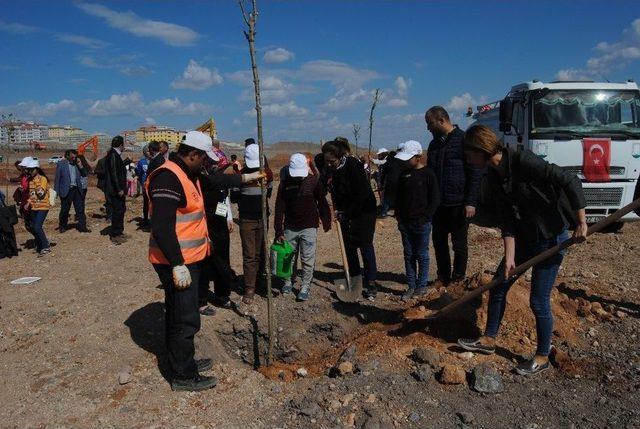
{"x":480,"y":138}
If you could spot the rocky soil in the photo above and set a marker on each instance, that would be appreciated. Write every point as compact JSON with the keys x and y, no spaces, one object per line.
{"x":84,"y":346}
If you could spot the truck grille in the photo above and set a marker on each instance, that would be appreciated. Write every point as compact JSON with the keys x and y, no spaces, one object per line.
{"x":577,"y":170}
{"x":600,"y":197}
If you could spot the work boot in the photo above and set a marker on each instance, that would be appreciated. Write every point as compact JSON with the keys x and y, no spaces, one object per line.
{"x":249,"y":293}
{"x":118,"y":240}
{"x":371,"y":290}
{"x":85,"y":229}
{"x":204,"y":364}
{"x":195,"y":384}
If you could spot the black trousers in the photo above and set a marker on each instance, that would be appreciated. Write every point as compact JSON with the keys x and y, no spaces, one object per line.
{"x":118,"y":207}
{"x":145,"y":205}
{"x":450,"y":221}
{"x":217,"y":266}
{"x":76,"y":198}
{"x":182,"y":321}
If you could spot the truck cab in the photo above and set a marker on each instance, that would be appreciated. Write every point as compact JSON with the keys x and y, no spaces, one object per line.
{"x":553,"y":119}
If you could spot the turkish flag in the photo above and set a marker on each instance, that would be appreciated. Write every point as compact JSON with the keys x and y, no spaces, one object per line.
{"x":596,"y":159}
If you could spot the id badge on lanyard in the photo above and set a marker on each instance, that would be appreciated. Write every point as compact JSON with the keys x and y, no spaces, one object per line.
{"x":222,"y":209}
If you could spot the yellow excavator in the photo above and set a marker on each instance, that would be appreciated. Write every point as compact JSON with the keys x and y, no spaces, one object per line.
{"x":210,"y":128}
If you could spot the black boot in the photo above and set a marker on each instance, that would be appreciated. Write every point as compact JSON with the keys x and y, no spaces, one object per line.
{"x":196,"y":384}
{"x":370,"y":290}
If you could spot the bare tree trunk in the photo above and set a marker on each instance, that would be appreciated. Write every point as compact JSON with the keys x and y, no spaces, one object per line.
{"x":356,"y":134}
{"x":250,"y":20}
{"x":376,"y":98}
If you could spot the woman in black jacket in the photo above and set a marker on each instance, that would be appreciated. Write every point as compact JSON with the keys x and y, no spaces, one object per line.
{"x":355,"y":208}
{"x":528,"y":194}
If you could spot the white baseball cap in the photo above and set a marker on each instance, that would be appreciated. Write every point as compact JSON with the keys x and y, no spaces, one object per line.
{"x":32,"y":163}
{"x":199,"y":140}
{"x":26,"y":161}
{"x":409,"y":150}
{"x":382,"y":150}
{"x":252,"y":156}
{"x":298,"y":165}
{"x":400,"y":146}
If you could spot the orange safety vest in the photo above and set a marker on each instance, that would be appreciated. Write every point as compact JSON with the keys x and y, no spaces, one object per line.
{"x":191,"y":223}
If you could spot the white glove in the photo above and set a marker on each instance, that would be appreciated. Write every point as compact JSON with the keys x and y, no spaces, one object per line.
{"x":181,"y":277}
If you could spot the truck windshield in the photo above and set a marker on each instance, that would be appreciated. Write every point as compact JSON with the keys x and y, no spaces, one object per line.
{"x":589,"y":112}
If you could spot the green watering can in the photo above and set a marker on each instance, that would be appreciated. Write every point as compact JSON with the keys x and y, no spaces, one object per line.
{"x":282,"y":256}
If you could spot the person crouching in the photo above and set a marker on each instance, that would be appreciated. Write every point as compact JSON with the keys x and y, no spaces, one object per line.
{"x":417,"y":199}
{"x":300,"y":203}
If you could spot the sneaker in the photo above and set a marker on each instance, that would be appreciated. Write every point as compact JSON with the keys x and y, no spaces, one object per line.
{"x":530,"y":367}
{"x":475,"y":345}
{"x":204,"y":364}
{"x":44,"y":251}
{"x":208,"y":311}
{"x":408,"y":294}
{"x":287,"y":288}
{"x":303,"y":295}
{"x":371,"y":291}
{"x":195,"y":384}
{"x":421,"y":291}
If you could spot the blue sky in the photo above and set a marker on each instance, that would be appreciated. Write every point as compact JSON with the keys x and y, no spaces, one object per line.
{"x":111,"y":66}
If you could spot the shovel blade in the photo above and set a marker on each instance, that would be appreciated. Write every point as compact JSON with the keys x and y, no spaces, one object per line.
{"x":346,"y":294}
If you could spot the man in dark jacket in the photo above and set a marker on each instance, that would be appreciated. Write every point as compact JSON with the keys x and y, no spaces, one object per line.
{"x":160,"y":157}
{"x":115,"y":187}
{"x":459,"y":183}
{"x":68,"y":186}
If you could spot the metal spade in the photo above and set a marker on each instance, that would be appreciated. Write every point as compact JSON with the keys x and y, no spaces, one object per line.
{"x":348,"y":289}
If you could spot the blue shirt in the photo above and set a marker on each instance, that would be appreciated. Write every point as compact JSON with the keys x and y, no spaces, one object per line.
{"x":73,"y":171}
{"x":141,"y":169}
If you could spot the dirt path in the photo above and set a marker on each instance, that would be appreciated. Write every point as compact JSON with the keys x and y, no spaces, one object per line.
{"x":97,"y":310}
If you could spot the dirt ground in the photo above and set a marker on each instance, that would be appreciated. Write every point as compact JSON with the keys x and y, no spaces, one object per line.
{"x":69,"y":340}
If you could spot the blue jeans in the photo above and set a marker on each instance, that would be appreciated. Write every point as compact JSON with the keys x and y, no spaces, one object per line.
{"x":415,"y":241}
{"x":37,"y":220}
{"x":542,"y":279}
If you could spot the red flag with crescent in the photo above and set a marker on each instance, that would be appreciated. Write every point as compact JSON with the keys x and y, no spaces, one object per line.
{"x":596,"y":159}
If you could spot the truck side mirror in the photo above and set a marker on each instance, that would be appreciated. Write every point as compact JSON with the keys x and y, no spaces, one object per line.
{"x":506,"y":113}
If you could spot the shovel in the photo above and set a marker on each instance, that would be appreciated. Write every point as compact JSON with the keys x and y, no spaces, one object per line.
{"x":349,"y":289}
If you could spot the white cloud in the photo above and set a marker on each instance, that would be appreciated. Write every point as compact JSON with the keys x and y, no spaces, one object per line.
{"x":344,"y":99}
{"x":280,"y":110}
{"x":135,"y":70}
{"x":402,"y":86}
{"x":278,"y":55}
{"x":89,"y":61}
{"x":339,"y":74}
{"x":272,"y":90}
{"x":17,"y":28}
{"x":31,"y":109}
{"x":197,"y":77}
{"x":171,"y":34}
{"x":609,"y":56}
{"x":461,"y":102}
{"x":118,"y":105}
{"x":396,"y":102}
{"x":76,"y":39}
{"x":404,"y":119}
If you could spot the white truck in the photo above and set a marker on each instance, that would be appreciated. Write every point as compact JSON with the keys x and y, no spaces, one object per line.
{"x":553,"y":120}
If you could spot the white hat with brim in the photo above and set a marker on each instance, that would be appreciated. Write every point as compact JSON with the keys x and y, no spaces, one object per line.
{"x":382,"y":150}
{"x":298,"y":165}
{"x":409,"y":150}
{"x":252,"y":156}
{"x":32,"y":163}
{"x":199,"y":140}
{"x":25,"y":161}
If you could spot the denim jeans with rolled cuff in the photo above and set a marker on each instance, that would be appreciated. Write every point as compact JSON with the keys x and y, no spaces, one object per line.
{"x":415,"y":243}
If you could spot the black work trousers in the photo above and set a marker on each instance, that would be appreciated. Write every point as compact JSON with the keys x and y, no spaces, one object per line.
{"x":145,"y":205}
{"x":118,"y":207}
{"x":216,"y":267}
{"x":76,"y":198}
{"x":450,"y":221}
{"x":182,"y":321}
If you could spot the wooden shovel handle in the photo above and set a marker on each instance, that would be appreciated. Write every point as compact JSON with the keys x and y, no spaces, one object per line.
{"x":343,"y":252}
{"x":614,"y":217}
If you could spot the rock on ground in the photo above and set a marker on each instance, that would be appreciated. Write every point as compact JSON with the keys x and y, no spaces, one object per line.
{"x":485,"y":379}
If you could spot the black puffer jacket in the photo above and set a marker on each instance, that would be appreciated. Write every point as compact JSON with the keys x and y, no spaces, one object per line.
{"x":459,"y":181}
{"x":115,"y":173}
{"x":534,"y":200}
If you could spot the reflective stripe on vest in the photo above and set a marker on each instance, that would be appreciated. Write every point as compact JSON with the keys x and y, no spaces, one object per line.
{"x":191,"y":223}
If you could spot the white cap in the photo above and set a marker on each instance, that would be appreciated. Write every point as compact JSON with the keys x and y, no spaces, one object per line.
{"x":379,"y":161}
{"x":409,"y":150}
{"x":298,"y":165}
{"x":382,"y":150}
{"x":199,"y":140}
{"x":252,"y":156}
{"x":26,"y":161}
{"x":400,"y":146}
{"x":32,"y":163}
